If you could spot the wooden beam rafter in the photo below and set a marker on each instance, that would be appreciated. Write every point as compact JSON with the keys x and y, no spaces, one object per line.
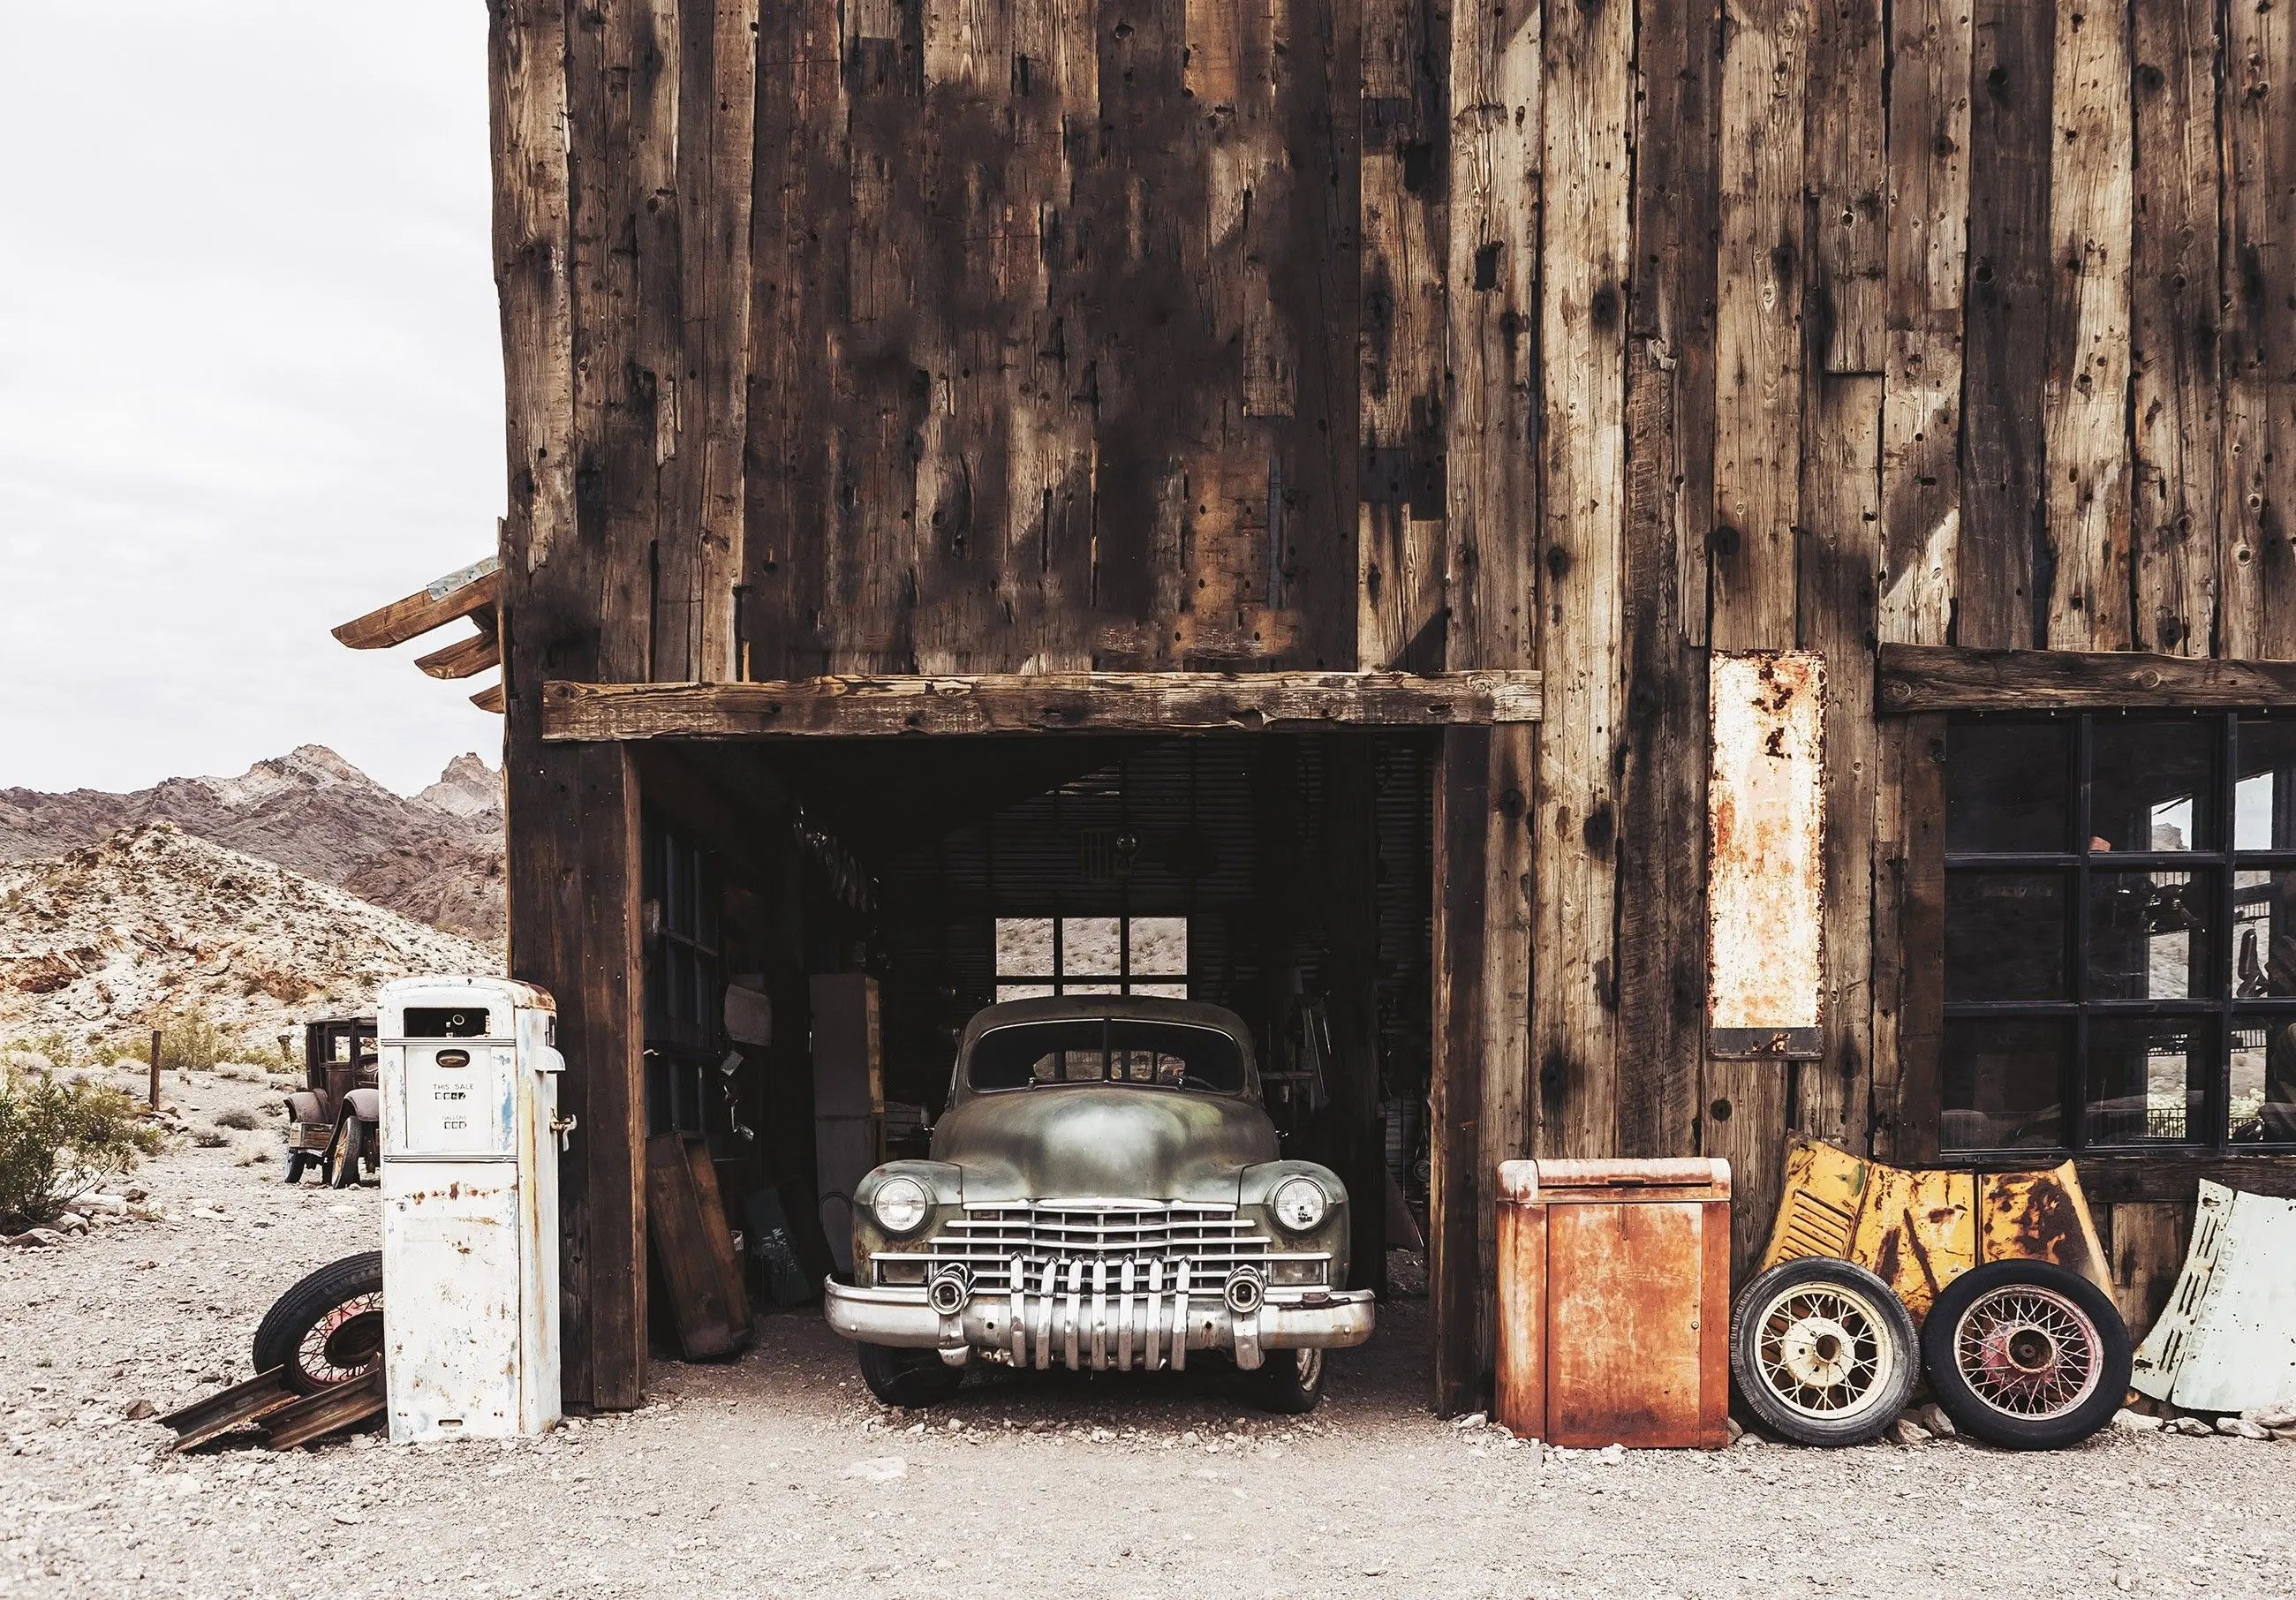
{"x":456,"y":594}
{"x":1008,"y":703}
{"x":465,"y":658}
{"x":1917,"y":678}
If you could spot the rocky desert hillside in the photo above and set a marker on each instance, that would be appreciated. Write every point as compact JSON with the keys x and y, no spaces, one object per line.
{"x":435,"y":858}
{"x":152,"y":924}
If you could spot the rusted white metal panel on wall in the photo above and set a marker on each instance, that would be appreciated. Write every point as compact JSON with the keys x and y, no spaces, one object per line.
{"x":2228,"y":1339}
{"x":1766,"y":868}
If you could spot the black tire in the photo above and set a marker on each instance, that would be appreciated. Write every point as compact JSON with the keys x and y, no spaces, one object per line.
{"x":910,"y":1378}
{"x":1287,"y":1382}
{"x":295,"y":1160}
{"x":2026,"y":1355}
{"x":327,"y":1329}
{"x":1823,"y":1351}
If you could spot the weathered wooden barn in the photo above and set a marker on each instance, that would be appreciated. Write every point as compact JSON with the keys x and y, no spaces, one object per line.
{"x":1294,"y":469}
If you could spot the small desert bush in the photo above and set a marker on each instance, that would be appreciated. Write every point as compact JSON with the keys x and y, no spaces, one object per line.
{"x":190,"y":1040}
{"x":208,"y":1138}
{"x":59,"y":1138}
{"x":245,"y":1121}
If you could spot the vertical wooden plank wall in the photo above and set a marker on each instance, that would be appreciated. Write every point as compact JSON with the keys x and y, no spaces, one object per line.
{"x":572,"y":811}
{"x":1480,"y":1112}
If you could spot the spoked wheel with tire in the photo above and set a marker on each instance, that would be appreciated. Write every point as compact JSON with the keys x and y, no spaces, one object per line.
{"x":1823,"y":1351}
{"x":2026,"y":1355}
{"x":328,"y":1328}
{"x":908,"y":1377}
{"x":1288,"y":1382}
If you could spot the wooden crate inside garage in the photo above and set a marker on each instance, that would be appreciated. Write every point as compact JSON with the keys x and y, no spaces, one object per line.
{"x":1614,"y":1302}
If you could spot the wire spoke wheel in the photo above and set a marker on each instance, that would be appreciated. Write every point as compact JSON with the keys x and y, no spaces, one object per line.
{"x":345,"y":1343}
{"x":2026,"y":1355}
{"x":1823,"y":1351}
{"x":2027,"y":1352}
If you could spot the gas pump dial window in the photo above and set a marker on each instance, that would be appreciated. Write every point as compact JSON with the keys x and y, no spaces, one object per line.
{"x":446,"y":1023}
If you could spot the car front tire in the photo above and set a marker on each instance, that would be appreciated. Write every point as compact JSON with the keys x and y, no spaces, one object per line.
{"x":908,"y":1378}
{"x":1287,"y":1382}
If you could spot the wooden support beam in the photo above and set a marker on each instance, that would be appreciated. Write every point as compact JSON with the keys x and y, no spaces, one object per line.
{"x":489,"y":699}
{"x":1049,"y":702}
{"x":1935,"y":677}
{"x":456,"y":594}
{"x":465,"y":658}
{"x":2175,"y":1180}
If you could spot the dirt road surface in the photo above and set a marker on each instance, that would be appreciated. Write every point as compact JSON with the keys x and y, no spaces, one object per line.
{"x":778,"y":1475}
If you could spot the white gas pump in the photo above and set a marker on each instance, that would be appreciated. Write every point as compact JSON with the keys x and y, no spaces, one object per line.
{"x":469,"y":1207}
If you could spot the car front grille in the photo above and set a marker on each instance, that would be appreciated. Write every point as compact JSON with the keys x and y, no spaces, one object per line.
{"x":1098,"y":1283}
{"x":987,"y":1239}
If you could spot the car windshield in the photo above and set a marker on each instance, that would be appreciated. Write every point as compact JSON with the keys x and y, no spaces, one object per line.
{"x":1173,"y":1055}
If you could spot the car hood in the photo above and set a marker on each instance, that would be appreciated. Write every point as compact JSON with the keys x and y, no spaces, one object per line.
{"x":1074,"y":1142}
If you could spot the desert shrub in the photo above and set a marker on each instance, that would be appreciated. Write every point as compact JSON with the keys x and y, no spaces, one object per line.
{"x":246,"y":1121}
{"x":59,"y":1138}
{"x":192,"y":1040}
{"x":208,"y":1138}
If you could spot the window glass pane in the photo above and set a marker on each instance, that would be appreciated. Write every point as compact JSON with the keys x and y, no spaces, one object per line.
{"x":1160,"y":947}
{"x":2148,"y":1078}
{"x":2004,"y":936}
{"x":1091,"y":986}
{"x":2264,"y":804}
{"x":1169,"y":991}
{"x":2006,"y":786}
{"x":2152,"y":785}
{"x":2264,"y":934}
{"x":1024,"y":948}
{"x":2003,"y":1081}
{"x":1022,"y":991}
{"x":1092,"y":946}
{"x":2264,"y":1080}
{"x":2151,"y":935}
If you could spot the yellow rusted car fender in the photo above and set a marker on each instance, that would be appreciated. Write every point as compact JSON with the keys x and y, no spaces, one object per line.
{"x":1919,"y":1230}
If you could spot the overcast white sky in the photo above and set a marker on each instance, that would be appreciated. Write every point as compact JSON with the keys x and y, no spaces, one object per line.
{"x":251,"y":382}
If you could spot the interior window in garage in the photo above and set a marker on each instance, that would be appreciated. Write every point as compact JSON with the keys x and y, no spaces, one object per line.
{"x":2120,"y":932}
{"x":1092,"y":956}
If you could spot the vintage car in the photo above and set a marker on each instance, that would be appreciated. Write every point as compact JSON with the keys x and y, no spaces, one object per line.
{"x":1104,"y":1192}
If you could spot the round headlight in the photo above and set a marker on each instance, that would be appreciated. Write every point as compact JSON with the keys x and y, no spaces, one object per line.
{"x":899,"y":1204}
{"x":1300,"y":1203}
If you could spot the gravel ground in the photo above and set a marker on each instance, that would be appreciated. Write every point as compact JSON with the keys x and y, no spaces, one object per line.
{"x":778,"y":1475}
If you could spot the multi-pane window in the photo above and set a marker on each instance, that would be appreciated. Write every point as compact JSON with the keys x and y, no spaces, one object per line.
{"x":1091,"y":955}
{"x":2120,"y":932}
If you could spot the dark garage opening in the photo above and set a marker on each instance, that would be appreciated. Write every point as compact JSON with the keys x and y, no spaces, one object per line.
{"x":822,"y":917}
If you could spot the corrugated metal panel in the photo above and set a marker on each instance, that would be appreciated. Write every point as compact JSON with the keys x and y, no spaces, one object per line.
{"x":1765,"y":880}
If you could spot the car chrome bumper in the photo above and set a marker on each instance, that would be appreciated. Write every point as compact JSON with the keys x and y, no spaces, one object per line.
{"x":1101,"y":1331}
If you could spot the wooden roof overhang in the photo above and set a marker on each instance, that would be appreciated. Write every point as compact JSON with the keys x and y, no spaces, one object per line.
{"x":471,"y":593}
{"x":1034,"y":703}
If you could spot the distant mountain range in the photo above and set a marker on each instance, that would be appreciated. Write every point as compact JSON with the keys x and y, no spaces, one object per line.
{"x":435,"y":858}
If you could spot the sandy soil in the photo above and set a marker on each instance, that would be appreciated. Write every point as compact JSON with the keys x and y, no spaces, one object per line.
{"x":777,"y":1475}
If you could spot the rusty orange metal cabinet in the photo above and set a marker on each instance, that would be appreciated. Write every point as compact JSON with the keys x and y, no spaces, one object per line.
{"x":1614,"y":1302}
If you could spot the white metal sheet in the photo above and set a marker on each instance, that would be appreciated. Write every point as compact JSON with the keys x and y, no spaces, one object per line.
{"x":1766,"y":884}
{"x":2241,"y":1353}
{"x":2162,"y":1356}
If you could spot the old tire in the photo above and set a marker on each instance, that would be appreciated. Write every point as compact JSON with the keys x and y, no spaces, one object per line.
{"x":2026,"y":1355}
{"x":295,"y":1160}
{"x":1288,"y":1382}
{"x":908,"y":1378}
{"x":1823,"y":1351}
{"x":347,"y":1148}
{"x":327,"y":1329}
